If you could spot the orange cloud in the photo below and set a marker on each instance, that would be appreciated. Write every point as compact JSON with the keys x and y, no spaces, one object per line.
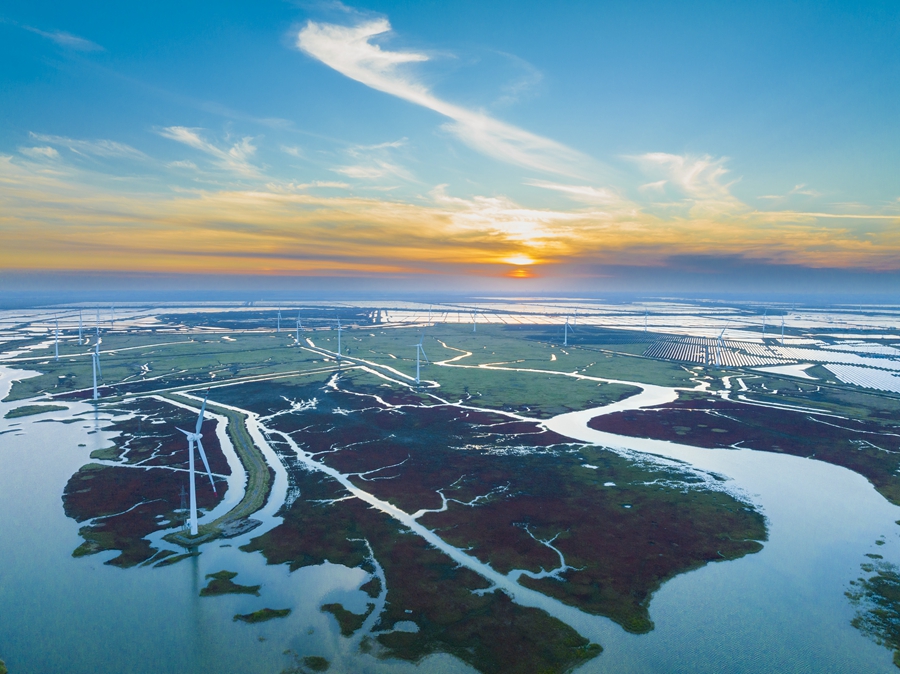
{"x":54,"y":217}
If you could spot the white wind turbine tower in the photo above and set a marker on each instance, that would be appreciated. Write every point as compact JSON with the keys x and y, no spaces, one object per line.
{"x":56,"y":342}
{"x":339,"y":340}
{"x":95,"y":361}
{"x":420,"y":351}
{"x":278,"y":329}
{"x":765,"y":313}
{"x":112,"y":316}
{"x":645,"y":320}
{"x":195,"y":438}
{"x":782,"y":330}
{"x":575,"y":320}
{"x":474,"y":316}
{"x":80,"y":324}
{"x":299,"y":326}
{"x":566,"y":329}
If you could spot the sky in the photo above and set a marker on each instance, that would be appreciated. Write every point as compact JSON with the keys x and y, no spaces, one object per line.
{"x":514,"y":146}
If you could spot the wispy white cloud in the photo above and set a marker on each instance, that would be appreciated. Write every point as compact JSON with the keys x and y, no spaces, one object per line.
{"x":291,"y":150}
{"x":375,"y":169}
{"x":295,"y":187}
{"x":66,"y":40}
{"x":515,"y":89}
{"x":583,"y":193}
{"x":657,"y":186}
{"x":701,"y":180}
{"x":800,"y":189}
{"x":96,"y":148}
{"x":46,"y":152}
{"x":350,"y":51}
{"x":234,"y":159}
{"x":375,"y":162}
{"x":184,"y":163}
{"x":383,"y":146}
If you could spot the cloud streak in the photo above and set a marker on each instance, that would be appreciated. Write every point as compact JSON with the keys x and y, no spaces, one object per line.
{"x":96,"y":148}
{"x":234,"y":159}
{"x":350,"y":51}
{"x":66,"y":40}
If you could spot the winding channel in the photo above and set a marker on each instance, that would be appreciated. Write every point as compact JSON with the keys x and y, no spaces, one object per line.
{"x":782,"y":609}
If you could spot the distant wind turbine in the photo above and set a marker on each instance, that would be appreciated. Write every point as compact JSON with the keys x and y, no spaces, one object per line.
{"x":720,"y":346}
{"x":299,"y":326}
{"x":112,"y":316}
{"x":95,"y":358}
{"x":339,"y":340}
{"x":420,"y":351}
{"x":782,"y":330}
{"x":192,"y":438}
{"x":645,"y":320}
{"x":278,"y":329}
{"x":566,"y":329}
{"x":80,"y":324}
{"x":474,"y":316}
{"x":764,"y":325}
{"x":56,"y":342}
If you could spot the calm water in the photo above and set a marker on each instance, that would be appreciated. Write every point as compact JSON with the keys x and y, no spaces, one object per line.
{"x":780,"y":610}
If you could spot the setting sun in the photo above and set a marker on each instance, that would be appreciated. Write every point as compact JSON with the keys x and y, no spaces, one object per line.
{"x":518,"y":260}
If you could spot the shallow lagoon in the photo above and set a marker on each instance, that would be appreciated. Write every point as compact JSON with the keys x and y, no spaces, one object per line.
{"x":79,"y":615}
{"x":782,"y":609}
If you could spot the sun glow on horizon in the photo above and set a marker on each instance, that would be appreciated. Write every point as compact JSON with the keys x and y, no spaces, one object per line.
{"x":519,"y":260}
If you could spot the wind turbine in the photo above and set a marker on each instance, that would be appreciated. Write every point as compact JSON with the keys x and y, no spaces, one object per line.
{"x":112,"y":316}
{"x":56,"y":343}
{"x":575,"y":320}
{"x":645,"y":320}
{"x":95,"y":359}
{"x":420,"y":350}
{"x":720,"y":345}
{"x":473,"y":321}
{"x":566,"y":329}
{"x":782,"y":329}
{"x":764,"y":325}
{"x":299,"y":325}
{"x":278,"y":329}
{"x":339,"y":340}
{"x":80,"y":322}
{"x":192,"y":438}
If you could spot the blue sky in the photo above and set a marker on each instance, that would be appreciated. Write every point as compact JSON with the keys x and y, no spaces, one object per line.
{"x":505,"y":139}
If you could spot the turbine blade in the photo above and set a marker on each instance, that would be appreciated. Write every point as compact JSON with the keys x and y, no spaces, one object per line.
{"x":187,"y":433}
{"x":206,"y":465}
{"x":202,"y":410}
{"x":424,"y":356}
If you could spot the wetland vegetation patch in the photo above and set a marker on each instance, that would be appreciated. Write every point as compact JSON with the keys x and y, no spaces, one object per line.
{"x":348,"y":621}
{"x":877,"y":600}
{"x":221,"y":582}
{"x":262,"y":615}
{"x":30,"y":410}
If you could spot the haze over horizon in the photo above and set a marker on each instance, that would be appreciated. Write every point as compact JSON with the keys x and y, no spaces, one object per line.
{"x":460,"y":147}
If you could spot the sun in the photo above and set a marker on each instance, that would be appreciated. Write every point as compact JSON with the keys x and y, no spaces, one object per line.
{"x":519,"y":260}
